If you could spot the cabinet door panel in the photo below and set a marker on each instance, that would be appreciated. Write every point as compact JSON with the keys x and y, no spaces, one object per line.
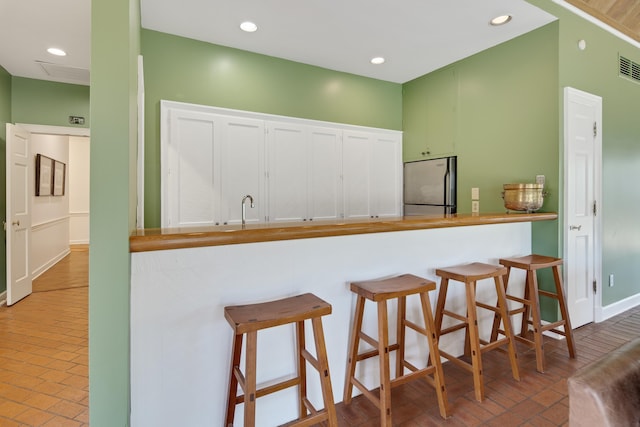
{"x":242,"y":170}
{"x":190,"y":159}
{"x":386,"y":176}
{"x":287,"y":172}
{"x":325,"y":167}
{"x":356,"y":173}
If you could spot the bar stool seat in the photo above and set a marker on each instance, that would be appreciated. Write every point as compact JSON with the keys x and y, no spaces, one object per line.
{"x":469,"y":274}
{"x":380,"y":291}
{"x":248,"y":320}
{"x":530,"y":308}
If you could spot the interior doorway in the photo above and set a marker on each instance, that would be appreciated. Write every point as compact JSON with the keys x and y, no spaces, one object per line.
{"x":58,"y":224}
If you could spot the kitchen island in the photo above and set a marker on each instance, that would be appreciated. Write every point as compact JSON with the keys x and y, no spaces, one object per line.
{"x":182,"y":279}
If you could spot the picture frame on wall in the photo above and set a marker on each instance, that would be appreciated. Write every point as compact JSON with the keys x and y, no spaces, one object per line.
{"x":59,"y":178}
{"x":44,"y":175}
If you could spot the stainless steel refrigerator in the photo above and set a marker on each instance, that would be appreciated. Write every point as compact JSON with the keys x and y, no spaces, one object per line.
{"x":430,"y":186}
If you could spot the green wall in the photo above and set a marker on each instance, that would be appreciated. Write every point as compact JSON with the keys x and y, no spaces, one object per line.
{"x":595,"y":70}
{"x":115,"y":27}
{"x":5,"y":117}
{"x":180,"y":69}
{"x":48,"y":103}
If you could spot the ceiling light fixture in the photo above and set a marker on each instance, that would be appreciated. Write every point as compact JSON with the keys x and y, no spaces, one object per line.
{"x":500,"y":20}
{"x":377,"y":60}
{"x":248,"y":26}
{"x":57,"y":52}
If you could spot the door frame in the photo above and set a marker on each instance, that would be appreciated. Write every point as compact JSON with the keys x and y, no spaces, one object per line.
{"x":47,"y":130}
{"x":572,"y":93}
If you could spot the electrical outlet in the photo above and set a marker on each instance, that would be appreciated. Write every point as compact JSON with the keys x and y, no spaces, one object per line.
{"x":475,"y":206}
{"x":475,"y":193}
{"x":611,"y":280}
{"x":540,"y":180}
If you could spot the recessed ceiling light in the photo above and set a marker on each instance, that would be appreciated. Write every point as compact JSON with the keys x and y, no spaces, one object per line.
{"x":57,"y":52}
{"x":248,"y":26}
{"x":377,"y":60}
{"x":500,"y":20}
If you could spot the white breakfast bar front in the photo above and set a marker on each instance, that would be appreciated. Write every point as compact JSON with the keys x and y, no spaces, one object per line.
{"x":182,"y":279}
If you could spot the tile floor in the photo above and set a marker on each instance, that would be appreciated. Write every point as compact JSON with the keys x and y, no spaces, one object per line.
{"x":44,"y":380}
{"x":44,"y":358}
{"x":537,"y":400}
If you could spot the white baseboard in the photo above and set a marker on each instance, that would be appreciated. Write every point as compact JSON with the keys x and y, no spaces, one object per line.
{"x":40,"y":270}
{"x":607,"y":312}
{"x":3,"y":298}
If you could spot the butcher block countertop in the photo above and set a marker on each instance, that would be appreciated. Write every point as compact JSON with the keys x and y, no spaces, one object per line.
{"x":193,"y":237}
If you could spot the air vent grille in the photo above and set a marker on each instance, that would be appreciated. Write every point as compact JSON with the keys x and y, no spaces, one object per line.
{"x":629,"y":69}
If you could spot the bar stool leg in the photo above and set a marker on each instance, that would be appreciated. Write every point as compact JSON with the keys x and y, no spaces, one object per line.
{"x":233,"y":380}
{"x":302,"y":369}
{"x":532,"y":286}
{"x":474,"y":342}
{"x":571,"y":345}
{"x":325,"y":378}
{"x":353,"y":349}
{"x":506,"y":322}
{"x":528,"y":296}
{"x":250,"y":379}
{"x":496,"y":319}
{"x":442,"y":297}
{"x":400,"y":335}
{"x":383,"y":351}
{"x":434,"y":356}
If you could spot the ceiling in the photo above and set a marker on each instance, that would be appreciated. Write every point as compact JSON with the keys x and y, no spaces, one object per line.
{"x":415,"y":36}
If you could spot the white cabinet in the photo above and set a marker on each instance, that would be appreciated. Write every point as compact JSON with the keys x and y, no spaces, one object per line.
{"x":372,"y":170}
{"x":190,"y":160}
{"x":242,"y":170}
{"x":304,"y":167}
{"x":295,"y":170}
{"x":287,"y":172}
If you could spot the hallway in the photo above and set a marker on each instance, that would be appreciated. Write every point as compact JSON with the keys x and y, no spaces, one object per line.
{"x":44,"y":350}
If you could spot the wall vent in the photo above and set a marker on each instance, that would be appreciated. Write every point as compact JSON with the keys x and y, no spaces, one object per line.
{"x":629,"y":69}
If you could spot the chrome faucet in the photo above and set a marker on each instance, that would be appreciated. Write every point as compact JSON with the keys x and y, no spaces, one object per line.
{"x":244,"y":210}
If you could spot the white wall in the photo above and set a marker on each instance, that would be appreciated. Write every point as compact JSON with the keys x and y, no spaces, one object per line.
{"x":78,"y":190}
{"x":49,"y":214}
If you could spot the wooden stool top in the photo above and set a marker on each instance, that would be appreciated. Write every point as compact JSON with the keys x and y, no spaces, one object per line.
{"x":531,"y":262}
{"x":471,"y":272}
{"x":393,"y":287}
{"x":253,"y":317}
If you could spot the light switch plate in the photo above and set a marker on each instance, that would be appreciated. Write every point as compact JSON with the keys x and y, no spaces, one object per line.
{"x":475,"y":193}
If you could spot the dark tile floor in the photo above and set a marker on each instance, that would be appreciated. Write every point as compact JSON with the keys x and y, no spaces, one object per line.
{"x":536,"y":400}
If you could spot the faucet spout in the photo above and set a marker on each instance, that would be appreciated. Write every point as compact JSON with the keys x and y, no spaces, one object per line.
{"x":244,"y":209}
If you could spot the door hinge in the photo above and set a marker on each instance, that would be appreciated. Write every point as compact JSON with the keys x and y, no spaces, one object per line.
{"x":595,"y":286}
{"x":595,"y":208}
{"x":595,"y":129}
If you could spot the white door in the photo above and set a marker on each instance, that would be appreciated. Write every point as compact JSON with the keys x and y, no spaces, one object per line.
{"x":325,"y":171}
{"x":18,"y":213}
{"x":287,"y":150}
{"x":356,"y":161}
{"x":583,"y":148}
{"x":242,"y":170}
{"x":386,"y":176}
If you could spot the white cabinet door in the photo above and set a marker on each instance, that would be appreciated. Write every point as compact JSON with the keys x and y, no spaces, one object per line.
{"x":325,"y":170}
{"x":386,"y":176}
{"x":242,"y":170}
{"x":189,"y":160}
{"x":356,"y":166}
{"x":372,"y":171}
{"x":287,"y":147}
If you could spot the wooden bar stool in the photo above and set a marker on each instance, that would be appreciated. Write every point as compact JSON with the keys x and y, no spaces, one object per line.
{"x":249,"y":319}
{"x":530,"y":308}
{"x":474,"y":346}
{"x":380,"y":291}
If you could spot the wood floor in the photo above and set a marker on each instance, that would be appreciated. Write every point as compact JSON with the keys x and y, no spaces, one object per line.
{"x":44,"y":373}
